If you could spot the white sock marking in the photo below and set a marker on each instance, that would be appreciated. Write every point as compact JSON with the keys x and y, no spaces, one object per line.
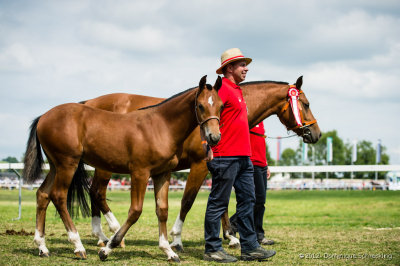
{"x":233,"y":241}
{"x":176,"y":232}
{"x":112,"y":222}
{"x":76,"y":240}
{"x":164,"y":246}
{"x":97,"y":230}
{"x":40,"y":242}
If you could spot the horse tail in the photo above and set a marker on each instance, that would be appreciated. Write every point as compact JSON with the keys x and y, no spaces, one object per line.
{"x":78,"y":192}
{"x":33,"y":160}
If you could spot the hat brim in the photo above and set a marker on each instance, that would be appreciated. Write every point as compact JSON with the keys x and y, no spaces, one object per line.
{"x":247,"y":59}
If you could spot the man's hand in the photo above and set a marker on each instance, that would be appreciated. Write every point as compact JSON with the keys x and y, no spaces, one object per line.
{"x":208,"y":152}
{"x":268,"y":173}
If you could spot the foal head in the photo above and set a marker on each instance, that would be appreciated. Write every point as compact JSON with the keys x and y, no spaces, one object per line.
{"x":297,"y":116}
{"x":208,"y":110}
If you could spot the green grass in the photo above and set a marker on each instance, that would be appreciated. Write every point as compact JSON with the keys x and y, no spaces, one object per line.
{"x":327,"y":227}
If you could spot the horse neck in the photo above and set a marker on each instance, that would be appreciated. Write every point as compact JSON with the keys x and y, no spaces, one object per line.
{"x":264,"y":100}
{"x":179,"y":115}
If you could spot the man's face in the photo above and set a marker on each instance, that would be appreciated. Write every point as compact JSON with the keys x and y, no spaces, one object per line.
{"x":239,"y":70}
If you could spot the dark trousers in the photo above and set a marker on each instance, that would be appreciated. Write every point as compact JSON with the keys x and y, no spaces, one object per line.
{"x":260,"y":182}
{"x":227,"y":172}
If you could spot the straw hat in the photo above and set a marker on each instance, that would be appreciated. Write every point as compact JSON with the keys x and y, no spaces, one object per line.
{"x":231,"y":55}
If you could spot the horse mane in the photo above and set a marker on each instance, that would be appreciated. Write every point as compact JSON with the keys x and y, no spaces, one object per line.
{"x":167,"y":100}
{"x":209,"y":87}
{"x":263,"y":81}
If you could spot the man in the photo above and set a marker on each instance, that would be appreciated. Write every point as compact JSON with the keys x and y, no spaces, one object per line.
{"x":261,"y":174}
{"x":231,"y":166}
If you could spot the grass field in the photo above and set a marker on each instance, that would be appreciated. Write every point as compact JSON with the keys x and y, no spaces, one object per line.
{"x":323,"y":227}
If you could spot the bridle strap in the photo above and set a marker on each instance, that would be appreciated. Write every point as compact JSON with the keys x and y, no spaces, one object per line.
{"x":303,"y":123}
{"x":258,"y":134}
{"x":207,"y":119}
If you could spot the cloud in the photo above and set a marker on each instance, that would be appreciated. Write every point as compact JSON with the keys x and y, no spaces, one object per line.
{"x":137,"y":39}
{"x":348,"y":51}
{"x":342,"y":80}
{"x":16,"y":57}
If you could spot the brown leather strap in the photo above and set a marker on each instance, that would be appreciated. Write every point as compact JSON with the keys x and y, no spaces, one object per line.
{"x":257,"y":134}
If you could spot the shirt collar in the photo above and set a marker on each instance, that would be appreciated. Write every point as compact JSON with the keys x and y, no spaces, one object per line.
{"x":230,"y":83}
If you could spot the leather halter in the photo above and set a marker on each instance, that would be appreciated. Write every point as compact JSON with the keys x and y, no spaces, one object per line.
{"x":201,"y":123}
{"x":304,"y":124}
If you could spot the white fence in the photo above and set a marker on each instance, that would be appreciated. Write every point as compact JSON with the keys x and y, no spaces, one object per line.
{"x":274,"y":169}
{"x":279,"y":181}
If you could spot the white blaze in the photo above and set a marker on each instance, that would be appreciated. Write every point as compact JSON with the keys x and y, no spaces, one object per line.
{"x":210,"y":101}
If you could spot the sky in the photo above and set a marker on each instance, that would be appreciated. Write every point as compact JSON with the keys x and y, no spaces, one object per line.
{"x":348,"y":51}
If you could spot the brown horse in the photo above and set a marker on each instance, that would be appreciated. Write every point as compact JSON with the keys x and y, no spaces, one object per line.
{"x":263,"y":100}
{"x":142,"y":143}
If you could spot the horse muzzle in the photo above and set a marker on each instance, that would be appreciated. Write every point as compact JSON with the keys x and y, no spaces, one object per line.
{"x":309,"y":136}
{"x":213,"y":139}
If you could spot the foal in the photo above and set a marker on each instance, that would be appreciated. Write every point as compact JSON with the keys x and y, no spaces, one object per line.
{"x":142,"y":143}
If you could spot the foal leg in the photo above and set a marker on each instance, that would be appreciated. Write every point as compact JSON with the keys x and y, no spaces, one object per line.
{"x":98,"y":192}
{"x":198,"y":172}
{"x":42,"y":202}
{"x":227,"y":231}
{"x":161,"y":186}
{"x":58,"y":196}
{"x":138,"y":190}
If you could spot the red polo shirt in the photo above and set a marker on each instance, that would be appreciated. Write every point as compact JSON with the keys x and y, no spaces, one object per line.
{"x":234,"y":126}
{"x":258,"y":146}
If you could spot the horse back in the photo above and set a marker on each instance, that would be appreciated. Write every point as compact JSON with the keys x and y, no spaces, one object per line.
{"x":122,"y":102}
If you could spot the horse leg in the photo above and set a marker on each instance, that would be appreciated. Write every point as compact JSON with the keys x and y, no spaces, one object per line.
{"x":138,"y":190}
{"x":97,"y":195}
{"x":227,"y":231}
{"x":161,"y":186}
{"x":42,"y":202}
{"x":58,"y":196}
{"x":98,"y":192}
{"x":198,"y":172}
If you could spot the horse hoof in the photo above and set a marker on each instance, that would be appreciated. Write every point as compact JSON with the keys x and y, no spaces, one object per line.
{"x":174,"y":259}
{"x":102,"y":255}
{"x":235,"y":246}
{"x":101,"y":244}
{"x":80,"y":255}
{"x":44,"y":255}
{"x":122,"y":245}
{"x":177,"y":248}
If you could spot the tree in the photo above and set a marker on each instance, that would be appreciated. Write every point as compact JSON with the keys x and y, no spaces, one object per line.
{"x":288,"y":157}
{"x":338,"y":149}
{"x":366,"y":155}
{"x":10,"y":159}
{"x":270,"y":160}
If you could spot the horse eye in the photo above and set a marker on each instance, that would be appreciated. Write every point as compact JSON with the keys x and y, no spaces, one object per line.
{"x":201,"y":107}
{"x":307,"y":105}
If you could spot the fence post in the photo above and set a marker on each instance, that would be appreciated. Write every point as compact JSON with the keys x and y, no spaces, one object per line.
{"x":20,"y":196}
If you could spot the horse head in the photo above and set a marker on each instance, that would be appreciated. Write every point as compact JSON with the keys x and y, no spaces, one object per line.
{"x":296,"y":114}
{"x":208,"y":110}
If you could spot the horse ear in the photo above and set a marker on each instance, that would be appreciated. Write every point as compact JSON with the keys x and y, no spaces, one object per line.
{"x":299,"y":82}
{"x":218,"y":83}
{"x":202,"y":83}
